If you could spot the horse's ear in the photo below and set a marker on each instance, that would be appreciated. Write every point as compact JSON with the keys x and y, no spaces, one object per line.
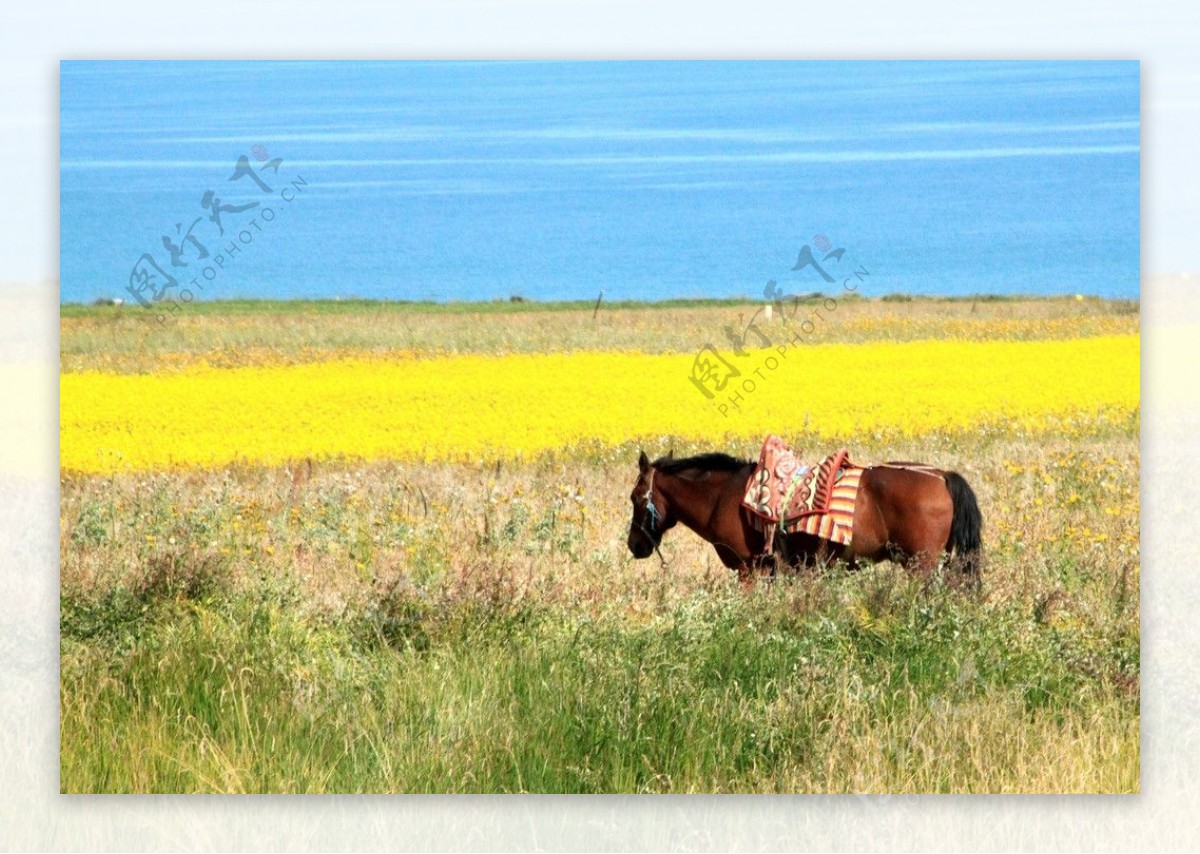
{"x":643,"y":463}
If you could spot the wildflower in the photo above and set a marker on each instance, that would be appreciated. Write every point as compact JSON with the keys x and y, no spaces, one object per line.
{"x":464,"y":407}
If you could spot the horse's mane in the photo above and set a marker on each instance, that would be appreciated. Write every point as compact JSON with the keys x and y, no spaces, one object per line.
{"x":702,"y":462}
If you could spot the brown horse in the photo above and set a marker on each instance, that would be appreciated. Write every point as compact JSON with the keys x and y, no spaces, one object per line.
{"x":905,"y":512}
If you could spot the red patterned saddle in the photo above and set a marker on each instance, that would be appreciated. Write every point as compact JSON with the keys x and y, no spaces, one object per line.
{"x":783,"y":493}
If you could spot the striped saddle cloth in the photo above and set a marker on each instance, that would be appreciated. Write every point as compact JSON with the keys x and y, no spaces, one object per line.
{"x":784,"y":494}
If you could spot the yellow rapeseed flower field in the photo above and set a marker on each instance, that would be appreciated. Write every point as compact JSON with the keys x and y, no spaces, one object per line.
{"x":477,"y":406}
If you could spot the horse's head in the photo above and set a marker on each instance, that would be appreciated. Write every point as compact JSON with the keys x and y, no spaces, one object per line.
{"x":652,"y":516}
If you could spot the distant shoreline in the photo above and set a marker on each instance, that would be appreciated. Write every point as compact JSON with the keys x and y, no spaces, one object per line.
{"x":524,"y":304}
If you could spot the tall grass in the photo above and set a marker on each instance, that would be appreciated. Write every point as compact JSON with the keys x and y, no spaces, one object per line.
{"x":716,"y":693}
{"x":438,"y":628}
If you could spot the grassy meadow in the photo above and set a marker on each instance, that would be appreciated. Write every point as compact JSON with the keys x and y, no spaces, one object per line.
{"x":396,"y":622}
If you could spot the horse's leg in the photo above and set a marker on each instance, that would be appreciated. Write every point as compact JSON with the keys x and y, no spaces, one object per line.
{"x":870,"y":538}
{"x":933,"y":554}
{"x":782,"y":557}
{"x":742,"y":547}
{"x":829,"y":553}
{"x":746,"y":571}
{"x":923,"y":565}
{"x":852,"y":564}
{"x":905,"y":517}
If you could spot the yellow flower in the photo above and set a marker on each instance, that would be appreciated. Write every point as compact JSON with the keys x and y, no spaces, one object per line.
{"x":468,"y":407}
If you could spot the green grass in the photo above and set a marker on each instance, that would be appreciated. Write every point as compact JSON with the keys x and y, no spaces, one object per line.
{"x":787,"y":690}
{"x":437,"y":628}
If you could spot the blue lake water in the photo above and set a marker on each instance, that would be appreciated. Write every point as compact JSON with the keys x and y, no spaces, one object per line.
{"x":476,"y":181}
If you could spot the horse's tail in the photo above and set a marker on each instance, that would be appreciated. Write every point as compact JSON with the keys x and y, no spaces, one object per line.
{"x":966,"y":528}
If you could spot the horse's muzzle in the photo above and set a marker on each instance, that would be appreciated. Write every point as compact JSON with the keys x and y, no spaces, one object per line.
{"x":640,"y":547}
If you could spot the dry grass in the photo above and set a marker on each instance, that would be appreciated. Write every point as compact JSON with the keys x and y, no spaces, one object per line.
{"x":395,"y":627}
{"x":120,"y":339}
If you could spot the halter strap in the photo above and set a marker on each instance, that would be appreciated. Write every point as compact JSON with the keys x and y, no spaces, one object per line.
{"x":651,"y":509}
{"x":654,"y":517}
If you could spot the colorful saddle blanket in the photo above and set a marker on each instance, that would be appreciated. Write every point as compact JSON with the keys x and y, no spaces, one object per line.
{"x":784,"y":494}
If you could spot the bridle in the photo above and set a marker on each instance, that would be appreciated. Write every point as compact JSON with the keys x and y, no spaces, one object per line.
{"x":653,"y":515}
